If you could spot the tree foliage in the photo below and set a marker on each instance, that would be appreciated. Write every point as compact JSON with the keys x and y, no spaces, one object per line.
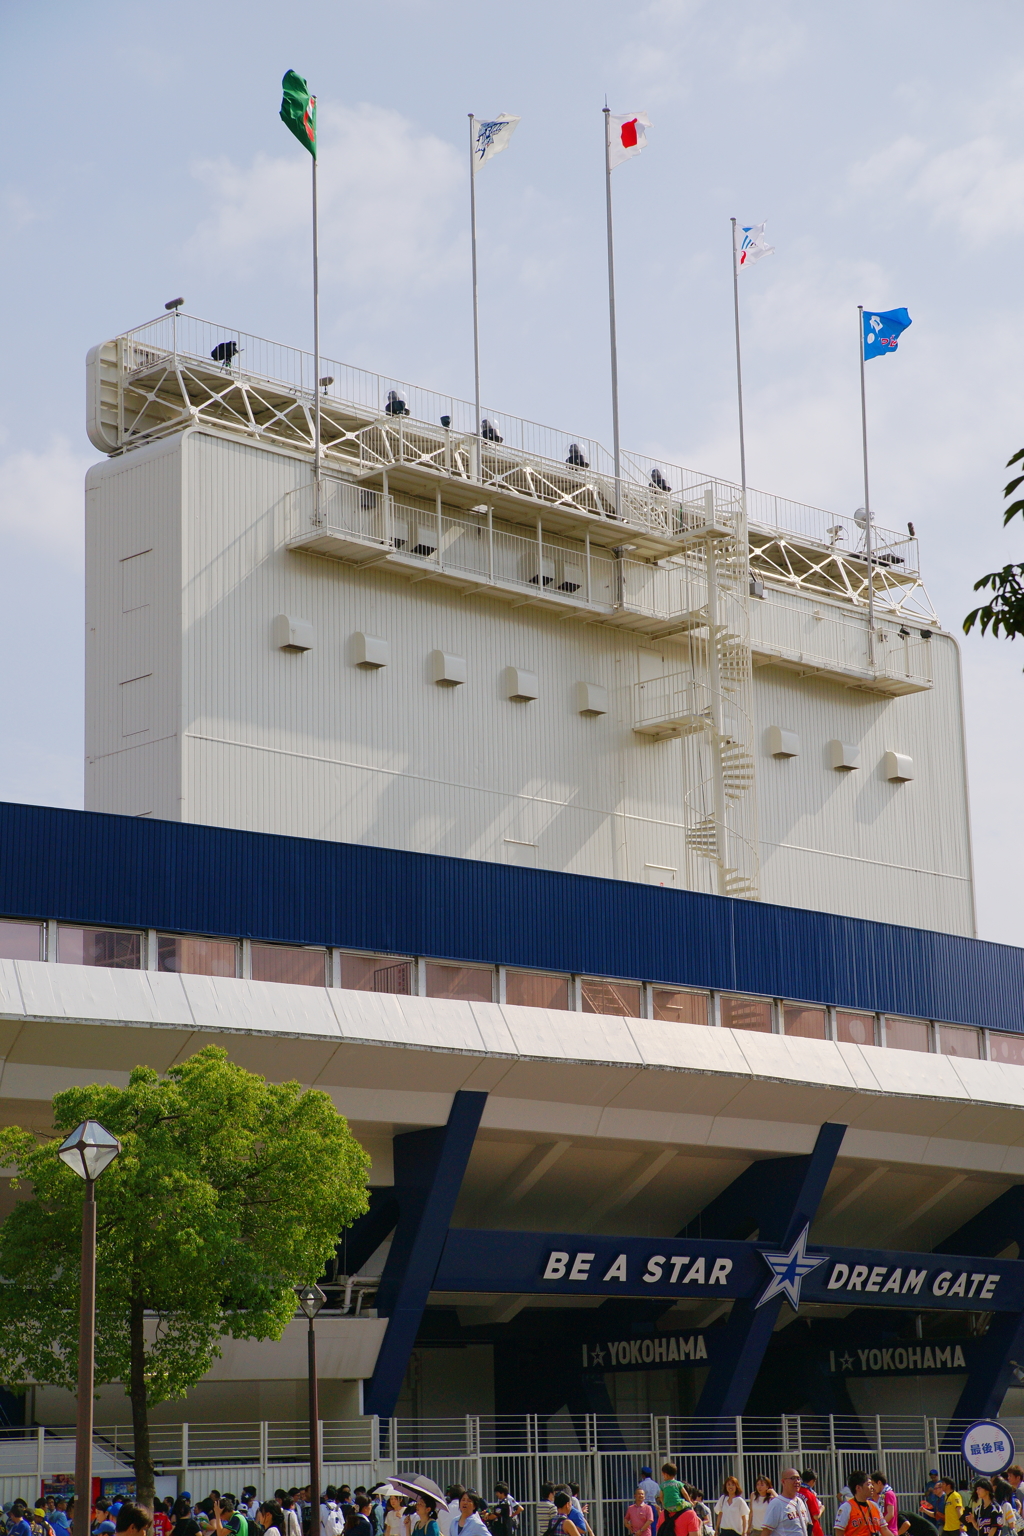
{"x":1004,"y":612}
{"x":228,"y":1192}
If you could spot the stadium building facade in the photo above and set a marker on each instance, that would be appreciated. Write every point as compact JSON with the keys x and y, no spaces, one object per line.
{"x":590,"y":846}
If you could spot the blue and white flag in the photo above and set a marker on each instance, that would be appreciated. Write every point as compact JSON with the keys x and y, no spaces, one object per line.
{"x":882,"y":330}
{"x":491,"y":136}
{"x":751,"y":244}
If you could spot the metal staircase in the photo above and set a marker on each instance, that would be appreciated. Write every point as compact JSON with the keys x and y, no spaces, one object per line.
{"x":709,"y":707}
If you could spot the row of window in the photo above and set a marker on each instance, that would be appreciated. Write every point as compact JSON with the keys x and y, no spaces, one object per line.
{"x":319,"y":967}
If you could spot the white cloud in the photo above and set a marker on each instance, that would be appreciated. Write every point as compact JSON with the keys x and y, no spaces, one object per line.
{"x":42,"y":498}
{"x":387,"y":195}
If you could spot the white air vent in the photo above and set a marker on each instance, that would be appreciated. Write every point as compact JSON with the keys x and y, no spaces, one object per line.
{"x":897,"y":767}
{"x":521,"y":686}
{"x":292,"y":634}
{"x":781,"y":743}
{"x":591,"y":699}
{"x":448,"y":670}
{"x":843,"y":755}
{"x":370,"y":650}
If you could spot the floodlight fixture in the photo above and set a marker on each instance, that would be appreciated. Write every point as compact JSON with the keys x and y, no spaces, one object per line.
{"x":446,"y":421}
{"x":311,"y":1299}
{"x":658,"y":481}
{"x":862,"y":517}
{"x":904,"y":632}
{"x":911,"y":530}
{"x":326,"y":382}
{"x":89,"y":1150}
{"x":174,"y":303}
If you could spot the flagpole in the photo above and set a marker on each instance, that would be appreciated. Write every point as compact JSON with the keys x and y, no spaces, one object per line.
{"x":739,"y":368}
{"x":867,"y":498}
{"x":611,"y":317}
{"x":316,"y":348}
{"x":476,"y":295}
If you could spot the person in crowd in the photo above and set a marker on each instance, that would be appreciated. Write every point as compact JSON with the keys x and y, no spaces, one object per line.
{"x":915,"y":1525}
{"x":672,"y":1498}
{"x":732,"y":1512}
{"x":18,"y":1523}
{"x":566,"y":1521}
{"x":933,"y":1500}
{"x":764,"y":1492}
{"x":503,"y":1515}
{"x":809,"y":1494}
{"x":787,"y":1514}
{"x":650,"y":1489}
{"x":132,"y":1520}
{"x":1009,"y":1505}
{"x":469,"y":1522}
{"x":249,"y":1504}
{"x":426,"y":1514}
{"x":453,"y":1493}
{"x":639,"y":1516}
{"x":983,"y":1516}
{"x":859,"y":1515}
{"x":545,"y":1506}
{"x":357,"y":1521}
{"x":394,"y":1506}
{"x":701,"y":1511}
{"x":102,"y":1525}
{"x":953,"y":1508}
{"x":1015,"y":1476}
{"x":58,"y":1516}
{"x":185,"y":1523}
{"x":269,"y":1516}
{"x":885,"y":1499}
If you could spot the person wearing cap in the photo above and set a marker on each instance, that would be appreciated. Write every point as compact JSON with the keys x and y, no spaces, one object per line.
{"x":933,"y":1500}
{"x":650,"y":1487}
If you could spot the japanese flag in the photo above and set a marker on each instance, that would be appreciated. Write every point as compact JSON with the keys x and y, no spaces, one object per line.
{"x":626,"y":137}
{"x":751,"y":244}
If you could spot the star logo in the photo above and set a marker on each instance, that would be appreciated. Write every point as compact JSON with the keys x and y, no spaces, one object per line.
{"x":846,"y":1362}
{"x":597,"y":1355}
{"x":788,"y":1270}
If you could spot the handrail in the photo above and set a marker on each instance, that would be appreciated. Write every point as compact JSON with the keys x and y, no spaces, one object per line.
{"x":373,"y":397}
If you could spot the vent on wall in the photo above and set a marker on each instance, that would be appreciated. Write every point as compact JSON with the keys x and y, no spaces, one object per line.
{"x":897,"y":767}
{"x":781,"y":743}
{"x":292,"y":634}
{"x":448,"y":671}
{"x":520,"y":685}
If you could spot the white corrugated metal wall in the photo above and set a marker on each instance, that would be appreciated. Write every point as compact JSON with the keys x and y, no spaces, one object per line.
{"x":313,"y":745}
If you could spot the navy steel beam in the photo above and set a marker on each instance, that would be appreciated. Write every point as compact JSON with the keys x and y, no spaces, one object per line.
{"x":1001,"y":1347}
{"x":362,"y":1239}
{"x":749,"y":1329}
{"x":429,"y":1169}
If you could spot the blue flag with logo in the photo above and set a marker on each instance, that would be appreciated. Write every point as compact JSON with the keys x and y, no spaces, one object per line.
{"x":882,"y":330}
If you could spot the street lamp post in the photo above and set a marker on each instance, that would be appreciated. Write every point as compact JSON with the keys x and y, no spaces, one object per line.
{"x":311,"y":1299}
{"x":87,"y":1151}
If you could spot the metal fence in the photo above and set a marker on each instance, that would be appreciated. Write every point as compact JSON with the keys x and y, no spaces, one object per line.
{"x":603,"y":1454}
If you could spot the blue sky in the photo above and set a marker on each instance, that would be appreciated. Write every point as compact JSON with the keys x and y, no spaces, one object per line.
{"x":141,"y":157}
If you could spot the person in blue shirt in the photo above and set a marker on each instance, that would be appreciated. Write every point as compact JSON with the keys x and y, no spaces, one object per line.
{"x":58,"y":1516}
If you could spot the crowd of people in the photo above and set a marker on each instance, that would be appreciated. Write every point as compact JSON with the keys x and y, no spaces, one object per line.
{"x":867,"y":1506}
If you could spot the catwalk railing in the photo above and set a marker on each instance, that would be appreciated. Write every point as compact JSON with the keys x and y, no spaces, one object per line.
{"x":602,"y":1453}
{"x":180,"y":369}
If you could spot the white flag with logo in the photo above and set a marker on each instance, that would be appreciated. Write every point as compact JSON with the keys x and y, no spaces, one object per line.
{"x":626,"y":137}
{"x":491,"y":136}
{"x":751,"y":244}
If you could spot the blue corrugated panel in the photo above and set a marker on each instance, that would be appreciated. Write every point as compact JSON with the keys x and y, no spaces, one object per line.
{"x":79,"y":866}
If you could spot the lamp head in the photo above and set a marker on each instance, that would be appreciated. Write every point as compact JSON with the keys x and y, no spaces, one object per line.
{"x":326,"y":382}
{"x":89,"y":1149}
{"x":311,"y":1299}
{"x":174,"y":303}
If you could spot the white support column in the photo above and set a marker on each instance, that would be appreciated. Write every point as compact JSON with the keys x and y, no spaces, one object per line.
{"x":246,"y":957}
{"x":419,"y":977}
{"x":51,"y":940}
{"x":41,"y":1450}
{"x":715,"y":684}
{"x":152,"y":950}
{"x":184,"y":1448}
{"x":501,"y":970}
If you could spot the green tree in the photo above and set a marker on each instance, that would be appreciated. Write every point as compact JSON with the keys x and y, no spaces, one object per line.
{"x":1004,"y":612}
{"x":228,"y":1192}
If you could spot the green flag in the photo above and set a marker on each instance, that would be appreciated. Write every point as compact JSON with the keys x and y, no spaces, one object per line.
{"x":298,"y":110}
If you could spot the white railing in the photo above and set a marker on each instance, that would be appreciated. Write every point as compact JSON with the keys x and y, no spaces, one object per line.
{"x":801,"y":629}
{"x":601,"y":1452}
{"x":654,"y":492}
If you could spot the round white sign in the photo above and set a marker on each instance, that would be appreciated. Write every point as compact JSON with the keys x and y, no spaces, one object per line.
{"x":987,"y":1447}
